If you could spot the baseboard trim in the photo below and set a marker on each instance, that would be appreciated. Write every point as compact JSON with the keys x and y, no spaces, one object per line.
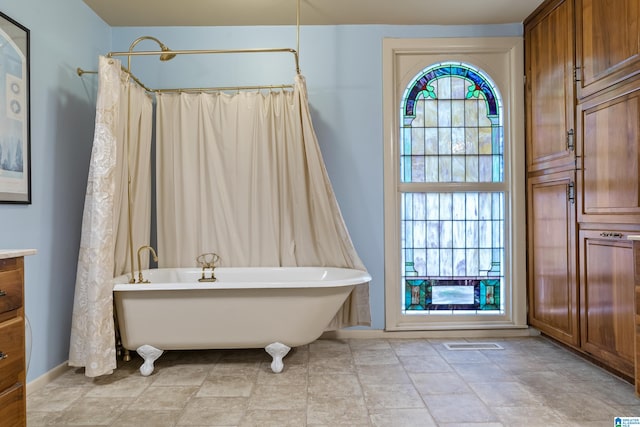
{"x":47,"y":377}
{"x":471,"y":333}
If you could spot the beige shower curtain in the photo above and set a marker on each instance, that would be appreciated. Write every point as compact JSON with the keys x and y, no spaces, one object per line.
{"x":123,"y":110}
{"x":242,"y":175}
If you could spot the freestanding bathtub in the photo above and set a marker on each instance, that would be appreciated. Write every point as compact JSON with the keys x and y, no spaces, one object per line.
{"x":275,"y":308}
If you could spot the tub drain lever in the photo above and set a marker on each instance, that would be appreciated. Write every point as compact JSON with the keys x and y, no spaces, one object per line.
{"x":208,"y":262}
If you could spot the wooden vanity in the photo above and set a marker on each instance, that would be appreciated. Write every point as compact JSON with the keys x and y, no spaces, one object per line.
{"x":12,"y":338}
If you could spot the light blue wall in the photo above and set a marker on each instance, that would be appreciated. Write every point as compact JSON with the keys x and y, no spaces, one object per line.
{"x":65,"y":34}
{"x":342,"y":65}
{"x":343,"y":69}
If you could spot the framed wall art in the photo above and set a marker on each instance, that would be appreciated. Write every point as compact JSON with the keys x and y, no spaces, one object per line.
{"x":15,"y":132}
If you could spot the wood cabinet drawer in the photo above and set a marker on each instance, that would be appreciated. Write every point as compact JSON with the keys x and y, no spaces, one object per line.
{"x":10,"y":290}
{"x":12,"y":349}
{"x":12,"y":407}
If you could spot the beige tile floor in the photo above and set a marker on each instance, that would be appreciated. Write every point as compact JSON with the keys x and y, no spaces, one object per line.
{"x":382,"y":382}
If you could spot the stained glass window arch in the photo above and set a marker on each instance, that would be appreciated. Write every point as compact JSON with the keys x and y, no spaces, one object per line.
{"x":452,"y":208}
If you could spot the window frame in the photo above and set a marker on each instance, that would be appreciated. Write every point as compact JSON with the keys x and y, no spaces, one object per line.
{"x":503,"y":59}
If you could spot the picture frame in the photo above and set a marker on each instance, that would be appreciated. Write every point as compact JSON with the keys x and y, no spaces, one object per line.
{"x":15,"y":112}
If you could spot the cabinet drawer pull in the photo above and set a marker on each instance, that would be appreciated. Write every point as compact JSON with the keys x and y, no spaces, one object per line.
{"x":2,"y":293}
{"x":3,"y":355}
{"x":611,"y":234}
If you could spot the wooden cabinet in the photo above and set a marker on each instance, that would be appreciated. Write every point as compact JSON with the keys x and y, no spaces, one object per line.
{"x":552,"y":275}
{"x":551,"y":162}
{"x":550,"y":101}
{"x":608,"y":48}
{"x":581,"y":293}
{"x":12,"y":345}
{"x":636,"y":280}
{"x":608,"y":135}
{"x":607,"y":297}
{"x":608,"y":189}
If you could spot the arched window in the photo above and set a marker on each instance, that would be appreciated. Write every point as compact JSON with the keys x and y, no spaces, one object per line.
{"x":452,"y":221}
{"x":454,"y":185}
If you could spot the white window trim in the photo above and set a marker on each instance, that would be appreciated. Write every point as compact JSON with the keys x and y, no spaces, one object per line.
{"x":515,"y":209}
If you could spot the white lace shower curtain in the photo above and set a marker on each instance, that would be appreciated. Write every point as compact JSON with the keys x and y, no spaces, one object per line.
{"x":123,"y":110}
{"x":242,"y":175}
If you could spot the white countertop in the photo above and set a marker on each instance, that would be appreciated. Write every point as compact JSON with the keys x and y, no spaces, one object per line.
{"x":633,"y":237}
{"x":14,"y":253}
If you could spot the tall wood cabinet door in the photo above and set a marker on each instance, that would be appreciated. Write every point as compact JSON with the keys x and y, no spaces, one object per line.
{"x":609,"y":150}
{"x":608,"y":43}
{"x":550,"y":99}
{"x":552,"y":274}
{"x":607,"y":298}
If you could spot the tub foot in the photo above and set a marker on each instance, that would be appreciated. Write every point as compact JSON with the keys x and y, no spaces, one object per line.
{"x":126,"y":357}
{"x":150,"y":354}
{"x":277,"y":351}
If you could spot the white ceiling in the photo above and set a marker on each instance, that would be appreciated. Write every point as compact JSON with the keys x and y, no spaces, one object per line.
{"x":141,"y":13}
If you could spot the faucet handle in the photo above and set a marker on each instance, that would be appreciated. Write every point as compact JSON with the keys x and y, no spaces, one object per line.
{"x":208,"y":260}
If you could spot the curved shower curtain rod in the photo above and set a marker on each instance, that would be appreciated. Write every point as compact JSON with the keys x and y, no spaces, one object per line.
{"x":167,"y":54}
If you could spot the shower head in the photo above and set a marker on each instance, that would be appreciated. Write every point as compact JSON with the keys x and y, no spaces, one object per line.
{"x":168,"y":55}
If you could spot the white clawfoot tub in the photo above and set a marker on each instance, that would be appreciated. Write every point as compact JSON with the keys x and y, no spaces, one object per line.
{"x":275,"y":308}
